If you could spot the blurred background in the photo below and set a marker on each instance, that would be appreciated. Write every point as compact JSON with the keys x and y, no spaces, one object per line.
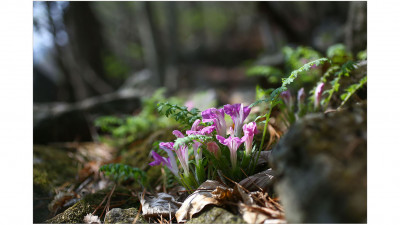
{"x":92,"y":59}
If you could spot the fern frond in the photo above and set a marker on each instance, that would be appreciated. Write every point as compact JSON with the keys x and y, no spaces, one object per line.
{"x":286,"y":81}
{"x":190,"y":138}
{"x":351,"y":90}
{"x":179,"y":113}
{"x":344,"y":71}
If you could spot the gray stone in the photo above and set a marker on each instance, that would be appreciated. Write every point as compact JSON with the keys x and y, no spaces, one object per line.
{"x":118,"y":215}
{"x":216,"y":215}
{"x":321,"y":166}
{"x":86,"y":205}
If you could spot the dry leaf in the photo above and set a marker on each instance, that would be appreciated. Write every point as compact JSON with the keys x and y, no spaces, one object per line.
{"x":255,"y":214}
{"x":164,"y":204}
{"x":246,"y":198}
{"x":264,"y":157}
{"x":199,"y":199}
{"x":222,"y":193}
{"x":262,"y":180}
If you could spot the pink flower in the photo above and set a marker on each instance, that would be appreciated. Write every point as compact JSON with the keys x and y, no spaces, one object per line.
{"x":158,"y":159}
{"x":196,"y":129}
{"x":214,"y":149}
{"x":249,"y":131}
{"x":287,"y":98}
{"x":170,"y":162}
{"x":238,"y":114}
{"x":217,"y":117}
{"x":233,"y":144}
{"x":318,"y":94}
{"x":182,"y":153}
{"x":301,"y":96}
{"x":197,"y":151}
{"x":178,"y":134}
{"x":189,"y":104}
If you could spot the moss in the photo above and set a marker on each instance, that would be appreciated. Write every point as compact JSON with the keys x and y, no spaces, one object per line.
{"x":52,"y":167}
{"x":217,"y":215}
{"x":88,"y":204}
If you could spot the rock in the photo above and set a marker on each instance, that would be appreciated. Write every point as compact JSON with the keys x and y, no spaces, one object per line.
{"x":62,"y":122}
{"x":216,"y":215}
{"x":77,"y":212}
{"x":52,"y":167}
{"x":321,"y":166}
{"x":118,"y":215}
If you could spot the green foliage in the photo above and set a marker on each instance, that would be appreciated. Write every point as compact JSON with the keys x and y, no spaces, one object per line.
{"x":121,"y":172}
{"x":126,"y":129}
{"x":339,"y":54}
{"x":189,"y":139}
{"x":362,"y":55}
{"x":294,"y":58}
{"x":351,"y":90}
{"x":273,"y":74}
{"x":179,"y":113}
{"x":273,"y":98}
{"x":345,"y":70}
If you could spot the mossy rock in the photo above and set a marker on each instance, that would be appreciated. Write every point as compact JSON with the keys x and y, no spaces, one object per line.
{"x":52,"y":167}
{"x":321,"y":166}
{"x":217,"y":215}
{"x":88,"y":204}
{"x":123,"y":216}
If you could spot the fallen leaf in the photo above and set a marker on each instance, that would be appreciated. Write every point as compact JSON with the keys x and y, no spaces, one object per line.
{"x":246,"y":198}
{"x":264,"y":157}
{"x":222,"y":193}
{"x":161,"y":205}
{"x":203,"y":196}
{"x":259,"y":181}
{"x":255,"y":214}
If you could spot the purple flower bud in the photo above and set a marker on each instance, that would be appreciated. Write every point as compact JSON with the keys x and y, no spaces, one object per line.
{"x":189,"y":104}
{"x":249,"y":131}
{"x":301,"y":96}
{"x":287,"y":98}
{"x":213,"y":148}
{"x":197,"y":151}
{"x":318,"y":94}
{"x":178,"y":134}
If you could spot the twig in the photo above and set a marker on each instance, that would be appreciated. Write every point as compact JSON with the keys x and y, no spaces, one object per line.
{"x":138,"y":214}
{"x":107,"y":206}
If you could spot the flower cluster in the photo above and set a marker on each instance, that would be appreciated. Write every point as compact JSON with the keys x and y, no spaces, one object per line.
{"x":221,"y":139}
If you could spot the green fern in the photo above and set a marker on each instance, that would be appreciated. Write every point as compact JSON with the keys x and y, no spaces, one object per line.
{"x":351,"y":90}
{"x":273,"y":98}
{"x":179,"y":113}
{"x":189,"y":139}
{"x":121,"y":172}
{"x":345,"y":70}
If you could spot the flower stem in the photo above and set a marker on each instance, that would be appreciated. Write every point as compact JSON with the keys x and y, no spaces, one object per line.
{"x":267,"y":116}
